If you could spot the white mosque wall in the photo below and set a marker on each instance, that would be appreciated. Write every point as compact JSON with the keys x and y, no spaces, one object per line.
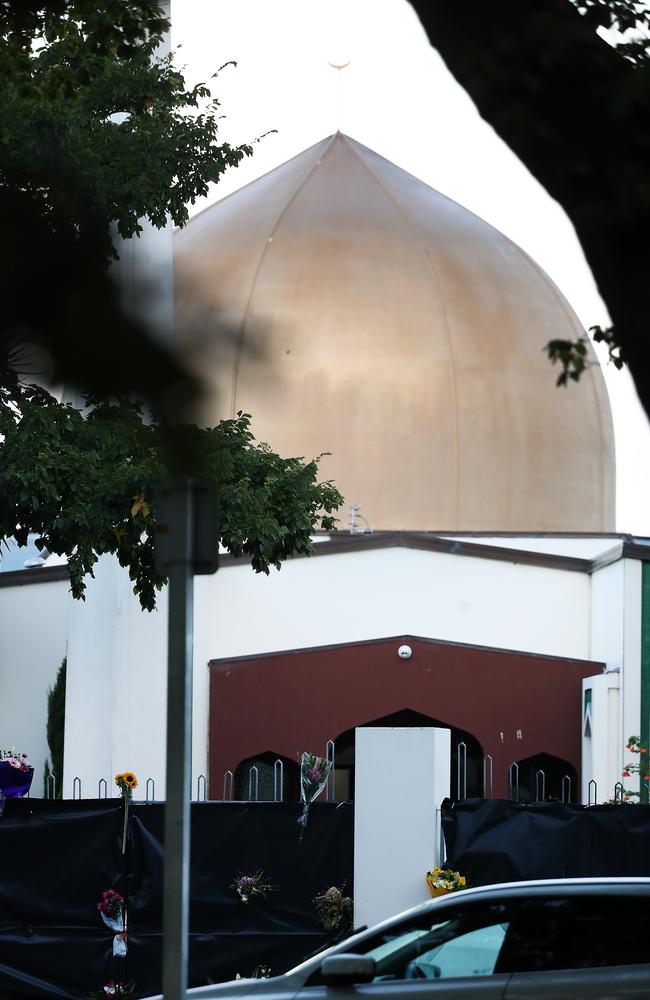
{"x":116,"y":685}
{"x":607,"y":624}
{"x":118,"y":653}
{"x":354,"y":596}
{"x":366,"y":595}
{"x":33,"y":636}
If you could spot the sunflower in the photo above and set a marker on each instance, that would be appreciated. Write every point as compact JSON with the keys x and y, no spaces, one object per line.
{"x":130,"y":779}
{"x":118,"y":780}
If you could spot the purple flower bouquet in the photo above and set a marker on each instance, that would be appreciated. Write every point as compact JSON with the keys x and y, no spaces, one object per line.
{"x":16,"y":775}
{"x":314,"y":772}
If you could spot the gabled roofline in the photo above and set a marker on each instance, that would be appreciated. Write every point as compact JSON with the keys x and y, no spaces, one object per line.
{"x":624,"y":546}
{"x":428,"y":541}
{"x":35,"y":574}
{"x":405,"y":637}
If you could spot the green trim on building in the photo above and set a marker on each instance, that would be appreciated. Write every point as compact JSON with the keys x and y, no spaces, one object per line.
{"x":645,"y":667}
{"x":586,"y":713}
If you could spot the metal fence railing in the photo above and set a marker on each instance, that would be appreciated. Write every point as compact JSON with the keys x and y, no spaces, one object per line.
{"x":472,"y":773}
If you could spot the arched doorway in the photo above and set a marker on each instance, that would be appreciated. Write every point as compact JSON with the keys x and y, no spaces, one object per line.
{"x":541,"y":779}
{"x":408,"y":718}
{"x":247,"y":789}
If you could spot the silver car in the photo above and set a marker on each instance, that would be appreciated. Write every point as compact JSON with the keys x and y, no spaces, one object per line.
{"x":566,"y":939}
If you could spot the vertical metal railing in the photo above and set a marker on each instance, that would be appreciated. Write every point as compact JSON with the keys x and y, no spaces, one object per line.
{"x":592,"y":787}
{"x":619,"y":792}
{"x":513,"y":781}
{"x":330,"y":758}
{"x":440,"y":840}
{"x":253,"y":784}
{"x":488,"y":768}
{"x":278,"y":781}
{"x":537,"y":787}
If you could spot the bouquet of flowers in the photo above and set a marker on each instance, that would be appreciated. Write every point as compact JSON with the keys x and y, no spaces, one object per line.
{"x":253,"y":886}
{"x":334,"y":909}
{"x":260,"y":971}
{"x":443,"y":880}
{"x":121,"y":991}
{"x":16,"y":774}
{"x":112,"y":909}
{"x":126,"y":782}
{"x":314,"y":772}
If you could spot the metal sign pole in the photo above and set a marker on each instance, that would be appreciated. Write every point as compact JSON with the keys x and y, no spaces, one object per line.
{"x":179,"y":741}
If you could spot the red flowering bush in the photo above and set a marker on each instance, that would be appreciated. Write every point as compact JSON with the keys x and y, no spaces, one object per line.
{"x":640,"y":767}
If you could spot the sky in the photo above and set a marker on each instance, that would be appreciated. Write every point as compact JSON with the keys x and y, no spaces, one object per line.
{"x":397,"y":97}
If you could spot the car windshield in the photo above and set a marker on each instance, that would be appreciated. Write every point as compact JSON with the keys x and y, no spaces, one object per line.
{"x":466,"y":943}
{"x":453,"y":942}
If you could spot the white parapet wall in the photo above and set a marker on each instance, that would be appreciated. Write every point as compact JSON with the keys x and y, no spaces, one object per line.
{"x":401,"y":778}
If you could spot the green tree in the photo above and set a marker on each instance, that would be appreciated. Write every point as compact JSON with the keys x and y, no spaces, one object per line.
{"x":85,"y":483}
{"x":574,"y":106}
{"x":97,"y":132}
{"x":71,"y":174}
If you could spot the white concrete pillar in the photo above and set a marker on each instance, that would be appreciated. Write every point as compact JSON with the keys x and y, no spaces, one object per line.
{"x":601,"y":738}
{"x":401,"y":777}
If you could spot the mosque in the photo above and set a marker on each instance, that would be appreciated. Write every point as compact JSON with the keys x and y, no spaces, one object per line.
{"x":476,"y":580}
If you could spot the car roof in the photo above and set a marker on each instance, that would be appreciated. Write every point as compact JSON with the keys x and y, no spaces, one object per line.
{"x":537,"y":886}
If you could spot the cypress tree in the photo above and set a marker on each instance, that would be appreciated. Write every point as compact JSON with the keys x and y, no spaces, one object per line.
{"x":56,"y":726}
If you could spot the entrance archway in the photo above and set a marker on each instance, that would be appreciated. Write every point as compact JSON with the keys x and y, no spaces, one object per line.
{"x":541,"y":777}
{"x":244,"y":782}
{"x":409,"y":718}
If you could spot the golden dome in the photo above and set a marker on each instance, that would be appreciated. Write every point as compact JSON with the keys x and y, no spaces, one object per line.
{"x":378,"y":320}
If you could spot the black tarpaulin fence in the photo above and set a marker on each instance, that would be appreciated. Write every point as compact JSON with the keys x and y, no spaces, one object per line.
{"x":497,"y":840}
{"x":56,"y":859}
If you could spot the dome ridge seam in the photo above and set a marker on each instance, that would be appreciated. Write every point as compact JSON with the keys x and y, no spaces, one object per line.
{"x":258,"y":268}
{"x":434,"y":273}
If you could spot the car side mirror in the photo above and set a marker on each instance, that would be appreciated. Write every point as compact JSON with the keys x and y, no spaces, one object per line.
{"x":346,"y":970}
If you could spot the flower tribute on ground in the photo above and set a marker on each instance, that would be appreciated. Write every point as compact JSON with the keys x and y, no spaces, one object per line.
{"x":16,"y":774}
{"x":251,"y":887}
{"x":126,"y":782}
{"x":314,"y":772}
{"x":112,"y":909}
{"x":334,"y":909}
{"x":120,"y":991}
{"x":442,"y":880}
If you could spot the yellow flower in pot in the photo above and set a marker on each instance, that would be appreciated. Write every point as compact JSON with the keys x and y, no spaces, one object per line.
{"x":444,"y":880}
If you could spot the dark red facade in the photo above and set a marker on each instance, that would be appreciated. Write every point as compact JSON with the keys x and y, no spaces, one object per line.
{"x":517,"y":705}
